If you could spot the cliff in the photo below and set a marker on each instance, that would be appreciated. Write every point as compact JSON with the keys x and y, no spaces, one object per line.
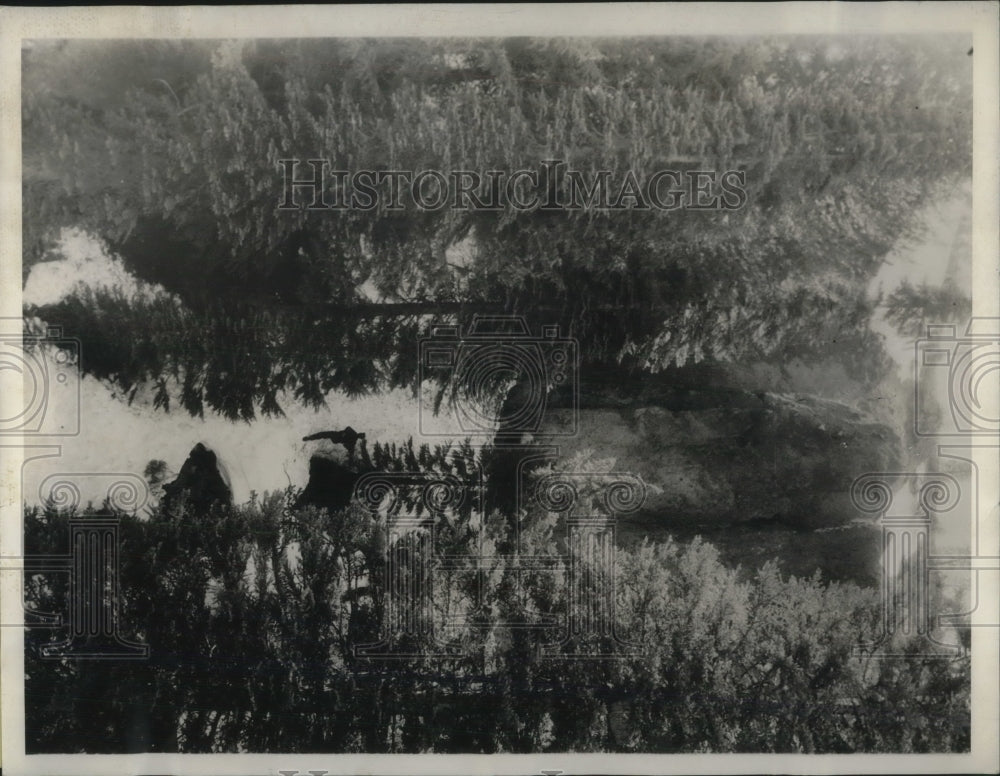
{"x":760,"y":475}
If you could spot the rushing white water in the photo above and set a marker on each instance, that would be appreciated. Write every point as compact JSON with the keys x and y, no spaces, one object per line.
{"x":115,"y":437}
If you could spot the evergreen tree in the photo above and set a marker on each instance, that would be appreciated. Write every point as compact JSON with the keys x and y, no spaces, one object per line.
{"x":840,"y":145}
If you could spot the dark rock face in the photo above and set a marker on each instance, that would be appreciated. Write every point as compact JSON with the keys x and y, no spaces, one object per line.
{"x":199,"y":482}
{"x":789,"y":458}
{"x":333,"y":472}
{"x":331,"y":484}
{"x":759,"y":474}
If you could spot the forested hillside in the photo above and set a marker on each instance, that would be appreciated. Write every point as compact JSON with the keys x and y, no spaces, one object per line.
{"x":722,"y":350}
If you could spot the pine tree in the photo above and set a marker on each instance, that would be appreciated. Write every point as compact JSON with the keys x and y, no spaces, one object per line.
{"x":179,"y":173}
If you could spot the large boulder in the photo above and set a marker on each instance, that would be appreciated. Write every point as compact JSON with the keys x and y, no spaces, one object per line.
{"x":331,"y":483}
{"x":334,"y":469}
{"x":200,"y":482}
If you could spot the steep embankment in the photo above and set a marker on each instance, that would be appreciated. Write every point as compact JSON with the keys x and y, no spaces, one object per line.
{"x":761,"y":475}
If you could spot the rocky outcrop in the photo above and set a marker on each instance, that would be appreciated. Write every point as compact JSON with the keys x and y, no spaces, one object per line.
{"x":773,"y":457}
{"x":200,"y":483}
{"x":330,"y":486}
{"x":759,"y":474}
{"x":334,"y":469}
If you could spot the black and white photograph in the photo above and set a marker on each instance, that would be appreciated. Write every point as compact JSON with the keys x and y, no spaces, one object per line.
{"x":385,"y":385}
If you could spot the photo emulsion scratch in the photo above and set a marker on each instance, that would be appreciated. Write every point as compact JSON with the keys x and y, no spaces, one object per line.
{"x":552,"y":395}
